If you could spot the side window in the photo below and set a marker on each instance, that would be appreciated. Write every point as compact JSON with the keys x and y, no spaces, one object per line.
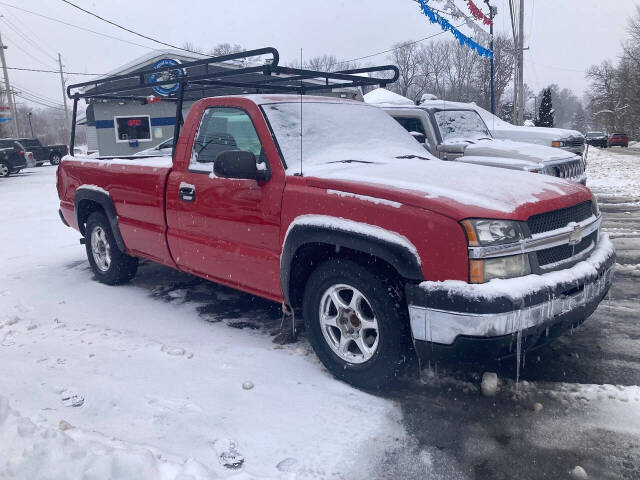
{"x":411,"y":124}
{"x":223,"y":129}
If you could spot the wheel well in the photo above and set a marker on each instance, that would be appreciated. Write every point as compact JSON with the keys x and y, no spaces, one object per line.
{"x":307,"y":258}
{"x":84,"y":209}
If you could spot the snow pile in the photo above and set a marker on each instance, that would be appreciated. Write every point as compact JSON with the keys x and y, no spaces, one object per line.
{"x":613,"y":173}
{"x":36,"y":452}
{"x":520,"y":286}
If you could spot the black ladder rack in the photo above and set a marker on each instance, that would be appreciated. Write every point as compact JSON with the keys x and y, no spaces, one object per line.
{"x":207,"y":78}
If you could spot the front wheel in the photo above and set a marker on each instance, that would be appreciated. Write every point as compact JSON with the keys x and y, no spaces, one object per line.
{"x":55,"y":159}
{"x":4,"y":170}
{"x":109,"y":264}
{"x":357,"y":323}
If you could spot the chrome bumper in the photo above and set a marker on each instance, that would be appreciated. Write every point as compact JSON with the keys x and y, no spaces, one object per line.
{"x":540,"y":306}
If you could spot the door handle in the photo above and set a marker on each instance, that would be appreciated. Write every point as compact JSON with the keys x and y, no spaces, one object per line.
{"x":187,"y":194}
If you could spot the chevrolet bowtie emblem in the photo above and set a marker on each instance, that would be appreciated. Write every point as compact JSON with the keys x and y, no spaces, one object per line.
{"x":575,"y":237}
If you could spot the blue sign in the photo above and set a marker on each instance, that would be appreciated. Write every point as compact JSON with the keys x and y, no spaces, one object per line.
{"x":168,"y":88}
{"x":5,"y":119}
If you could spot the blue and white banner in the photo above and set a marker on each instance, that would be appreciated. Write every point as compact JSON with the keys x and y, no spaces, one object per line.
{"x":446,"y":26}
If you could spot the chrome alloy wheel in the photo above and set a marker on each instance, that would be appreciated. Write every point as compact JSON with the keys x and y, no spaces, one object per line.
{"x":100,"y":249}
{"x":4,"y":170}
{"x":348,"y":323}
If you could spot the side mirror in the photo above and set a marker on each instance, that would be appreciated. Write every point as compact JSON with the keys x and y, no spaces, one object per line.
{"x":420,"y":137}
{"x":452,"y":147}
{"x":238,"y":164}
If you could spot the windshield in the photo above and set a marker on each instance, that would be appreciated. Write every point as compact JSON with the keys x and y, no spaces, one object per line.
{"x":460,"y":125}
{"x":595,"y":134}
{"x":338,"y":132}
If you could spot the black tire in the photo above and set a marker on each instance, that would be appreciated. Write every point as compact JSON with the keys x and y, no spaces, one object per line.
{"x":387,"y":307}
{"x":120,"y":267}
{"x":54,"y":159}
{"x":39,"y":164}
{"x":5,"y":171}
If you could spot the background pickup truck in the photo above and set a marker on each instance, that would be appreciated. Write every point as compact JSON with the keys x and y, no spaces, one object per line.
{"x":381,"y":247}
{"x":42,"y":154}
{"x":460,"y":134}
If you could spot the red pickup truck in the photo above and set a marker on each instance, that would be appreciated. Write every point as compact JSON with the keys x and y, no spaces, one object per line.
{"x":332,"y":208}
{"x":381,"y":247}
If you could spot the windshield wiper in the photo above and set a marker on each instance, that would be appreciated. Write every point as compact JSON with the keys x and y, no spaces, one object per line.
{"x":413,"y":156}
{"x":350,"y":161}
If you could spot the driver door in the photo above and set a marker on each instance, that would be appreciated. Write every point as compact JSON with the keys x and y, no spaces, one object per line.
{"x":227,"y":229}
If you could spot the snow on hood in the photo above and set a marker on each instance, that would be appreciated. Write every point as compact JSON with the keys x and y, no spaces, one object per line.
{"x":452,"y":188}
{"x":384,"y":96}
{"x":529,"y":152}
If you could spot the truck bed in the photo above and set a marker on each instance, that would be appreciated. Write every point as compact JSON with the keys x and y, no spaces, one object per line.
{"x":137,"y":189}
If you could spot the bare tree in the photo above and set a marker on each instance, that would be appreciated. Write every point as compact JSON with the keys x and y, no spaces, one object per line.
{"x":406,"y":56}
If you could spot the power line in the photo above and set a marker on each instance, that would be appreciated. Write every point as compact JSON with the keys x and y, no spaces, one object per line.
{"x":17,"y":45}
{"x":53,"y":71}
{"x":26,"y":97}
{"x":404,"y":44}
{"x":127,"y":29}
{"x":25,"y":38}
{"x":76,"y":26}
{"x":34,"y":94}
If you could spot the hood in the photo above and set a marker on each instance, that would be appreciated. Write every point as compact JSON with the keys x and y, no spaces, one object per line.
{"x":541,"y":135}
{"x":457,"y":190}
{"x":528,"y":153}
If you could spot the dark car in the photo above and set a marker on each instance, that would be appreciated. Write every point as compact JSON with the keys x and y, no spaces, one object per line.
{"x":597,"y":139}
{"x":11,"y":161}
{"x":618,"y":140}
{"x":44,"y":153}
{"x":12,"y":157}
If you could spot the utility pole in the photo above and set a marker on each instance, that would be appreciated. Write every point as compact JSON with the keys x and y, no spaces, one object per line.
{"x":64,"y":94}
{"x":520,"y":119}
{"x":7,"y":87}
{"x":30,"y":125}
{"x":492,"y":13}
{"x":15,"y":119}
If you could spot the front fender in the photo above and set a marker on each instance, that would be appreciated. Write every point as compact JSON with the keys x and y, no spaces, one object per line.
{"x":393,"y":248}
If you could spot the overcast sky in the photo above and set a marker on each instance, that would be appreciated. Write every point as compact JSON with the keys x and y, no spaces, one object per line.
{"x":564,"y":36}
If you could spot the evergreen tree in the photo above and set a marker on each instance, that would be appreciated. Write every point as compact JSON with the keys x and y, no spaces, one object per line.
{"x":507,"y":112}
{"x":545,"y":113}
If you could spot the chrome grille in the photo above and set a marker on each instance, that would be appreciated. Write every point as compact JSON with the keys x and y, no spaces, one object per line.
{"x":574,"y":142}
{"x":557,"y":254}
{"x":555,"y":219}
{"x":569,"y":169}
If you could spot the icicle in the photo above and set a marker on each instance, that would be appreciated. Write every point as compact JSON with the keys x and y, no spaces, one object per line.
{"x":518,"y":346}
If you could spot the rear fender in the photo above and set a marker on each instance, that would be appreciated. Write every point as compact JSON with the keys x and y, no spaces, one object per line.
{"x":83,"y":194}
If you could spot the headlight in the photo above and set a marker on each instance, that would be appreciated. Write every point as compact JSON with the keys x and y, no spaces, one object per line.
{"x":557,"y":143}
{"x":481,"y":271}
{"x":483,"y":232}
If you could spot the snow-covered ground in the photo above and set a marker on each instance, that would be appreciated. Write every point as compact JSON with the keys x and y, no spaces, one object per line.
{"x":162,"y":386}
{"x":613,"y":171}
{"x":165,"y":388}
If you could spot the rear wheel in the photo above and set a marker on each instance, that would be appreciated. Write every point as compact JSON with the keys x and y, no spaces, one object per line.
{"x":54,"y":159}
{"x":357,"y":323}
{"x":109,"y":264}
{"x":4,"y":170}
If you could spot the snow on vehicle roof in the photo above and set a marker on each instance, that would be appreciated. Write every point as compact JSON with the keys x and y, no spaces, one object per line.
{"x":267,"y":98}
{"x":387,"y":97}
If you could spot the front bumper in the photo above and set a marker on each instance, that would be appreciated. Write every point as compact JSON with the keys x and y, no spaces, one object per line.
{"x":455,"y":314}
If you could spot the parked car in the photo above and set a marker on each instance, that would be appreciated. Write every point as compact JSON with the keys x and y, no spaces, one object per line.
{"x":460,"y":134}
{"x":597,"y":139}
{"x":11,"y":161}
{"x":379,"y":245}
{"x":42,"y":154}
{"x":618,"y":140}
{"x":22,"y":157}
{"x":164,"y":148}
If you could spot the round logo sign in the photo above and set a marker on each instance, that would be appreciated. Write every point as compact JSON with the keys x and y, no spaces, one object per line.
{"x":175,"y":74}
